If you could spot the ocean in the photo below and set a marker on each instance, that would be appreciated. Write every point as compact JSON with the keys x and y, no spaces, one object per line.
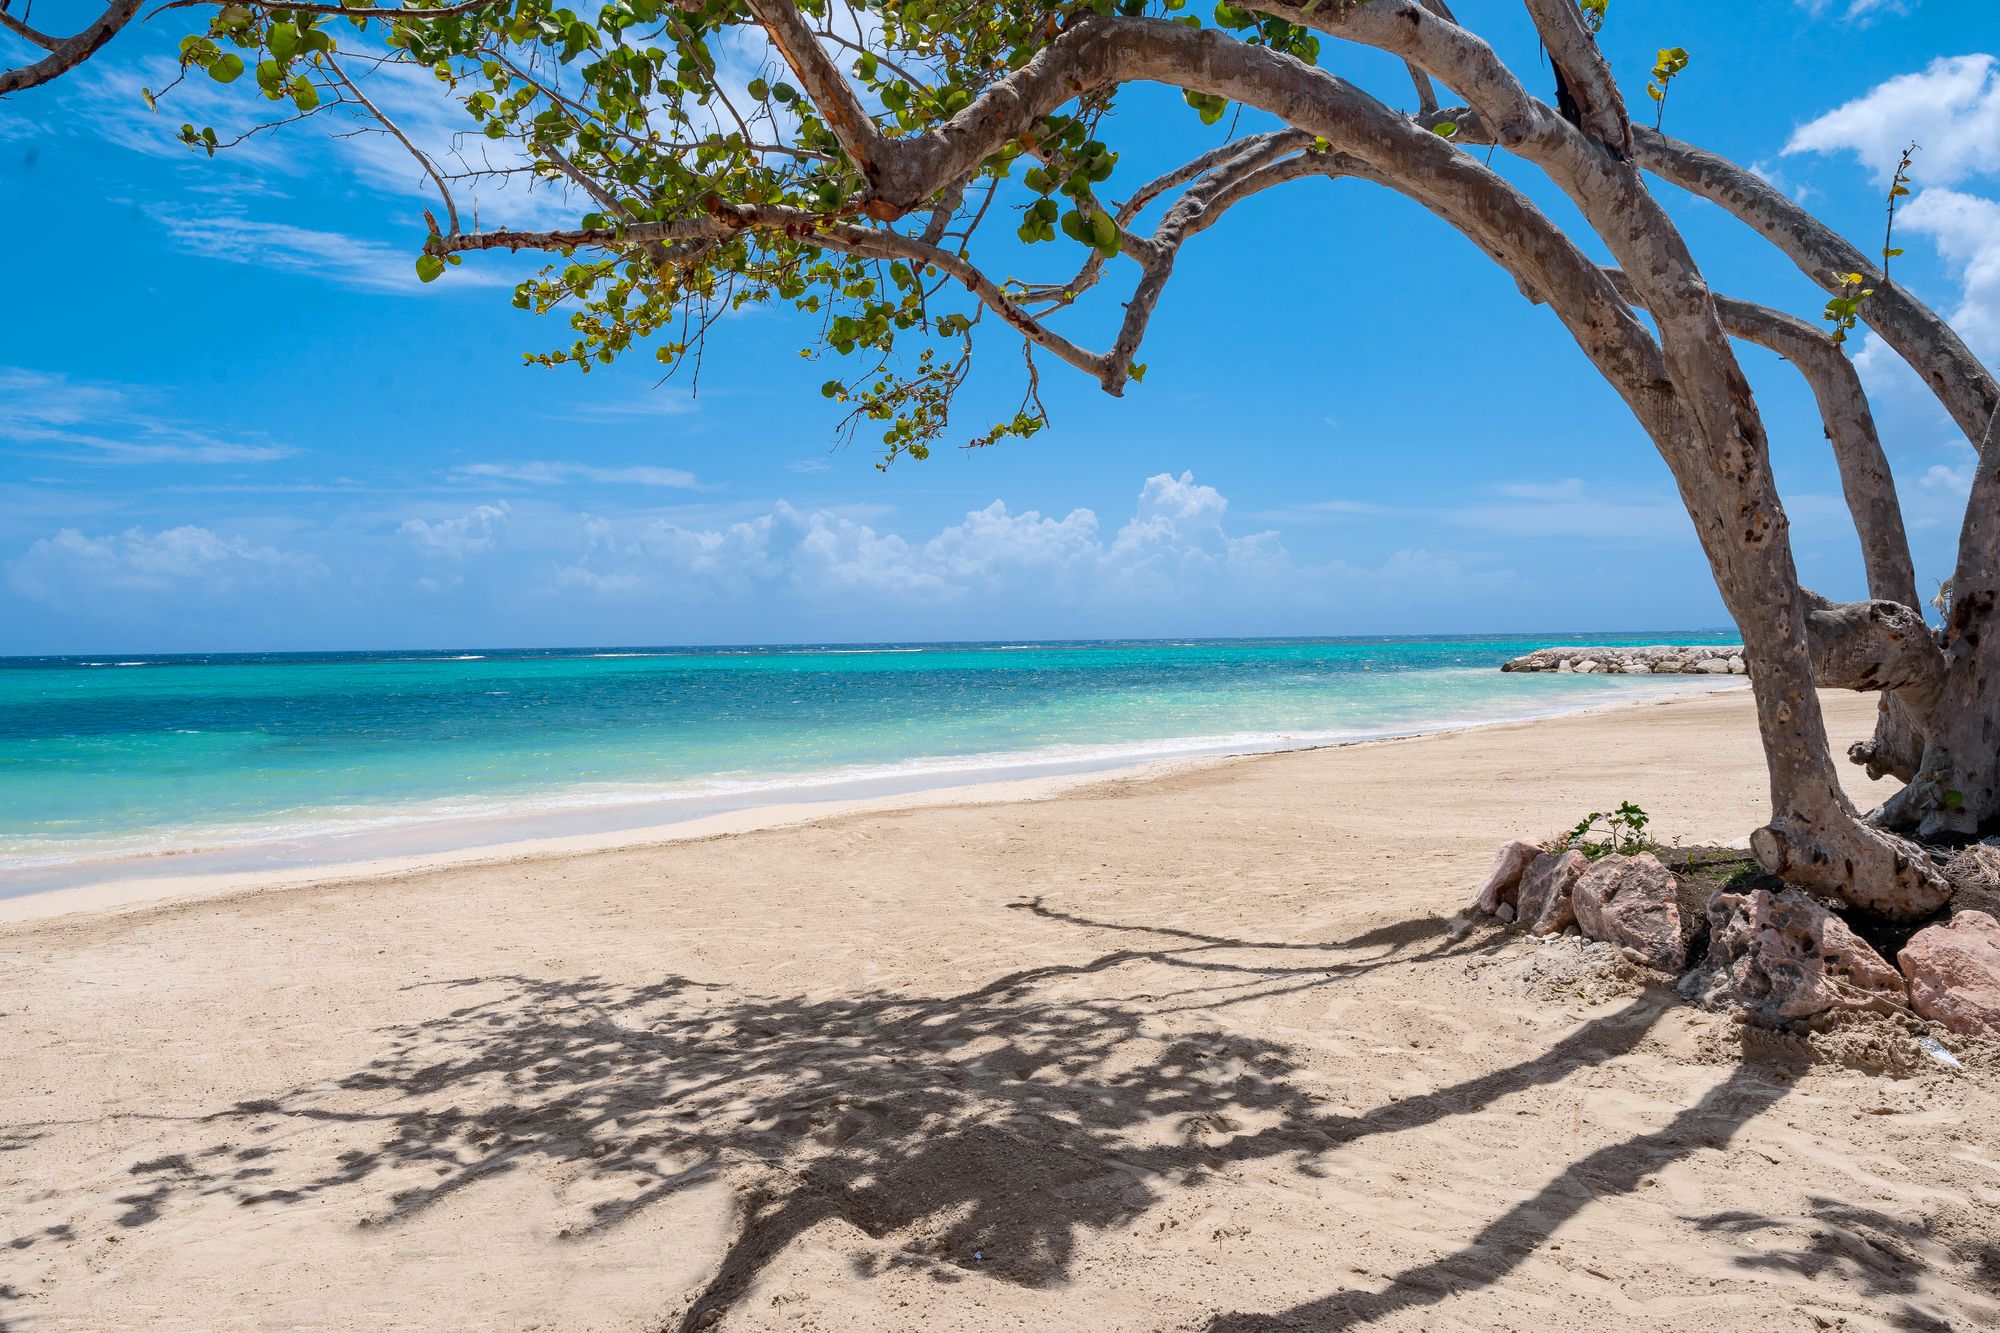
{"x":113,"y":767}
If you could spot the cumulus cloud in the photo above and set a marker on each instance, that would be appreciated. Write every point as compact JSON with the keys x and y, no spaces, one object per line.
{"x":187,"y":558}
{"x":108,"y":423}
{"x":1966,"y":230}
{"x":1951,"y":107}
{"x":1175,"y":548}
{"x":472,"y":533}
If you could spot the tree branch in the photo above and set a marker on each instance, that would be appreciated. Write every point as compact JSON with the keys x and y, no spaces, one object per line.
{"x":69,"y":52}
{"x":1965,"y":386}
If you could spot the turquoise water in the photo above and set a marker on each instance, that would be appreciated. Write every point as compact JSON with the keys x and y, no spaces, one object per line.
{"x":107,"y":757}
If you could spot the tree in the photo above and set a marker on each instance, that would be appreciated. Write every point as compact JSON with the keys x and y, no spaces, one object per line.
{"x":861,"y":183}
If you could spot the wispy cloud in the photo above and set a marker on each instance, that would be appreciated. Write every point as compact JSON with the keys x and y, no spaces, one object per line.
{"x":80,"y":421}
{"x":225,"y":231}
{"x":1860,"y":12}
{"x":1562,"y":508}
{"x":546,"y":473}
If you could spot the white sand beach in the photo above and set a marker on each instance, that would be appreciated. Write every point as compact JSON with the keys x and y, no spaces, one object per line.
{"x":1190,"y":1050}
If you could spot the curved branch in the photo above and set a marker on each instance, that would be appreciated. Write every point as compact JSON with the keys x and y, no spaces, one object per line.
{"x":1865,"y":479}
{"x":423,"y":159}
{"x":69,"y":52}
{"x":827,"y":88}
{"x":1917,"y":333}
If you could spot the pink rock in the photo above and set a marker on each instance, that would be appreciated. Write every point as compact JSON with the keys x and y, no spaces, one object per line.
{"x":1631,"y":900}
{"x":1781,"y":956}
{"x":1954,"y":973}
{"x":1544,"y":901}
{"x":1503,"y":882}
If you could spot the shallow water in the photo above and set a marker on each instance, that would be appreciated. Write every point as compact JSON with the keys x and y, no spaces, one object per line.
{"x":111,"y":757}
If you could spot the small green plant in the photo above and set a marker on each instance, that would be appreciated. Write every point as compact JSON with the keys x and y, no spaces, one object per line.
{"x":1899,"y":187}
{"x":1599,"y":833}
{"x":1844,"y":310}
{"x":1672,"y":61}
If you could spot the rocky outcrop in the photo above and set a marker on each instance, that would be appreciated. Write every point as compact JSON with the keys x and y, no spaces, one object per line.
{"x":1954,"y":973}
{"x":1503,"y":882}
{"x":1780,"y":956}
{"x":1632,"y":901}
{"x":1658,"y":659}
{"x":1544,"y":901}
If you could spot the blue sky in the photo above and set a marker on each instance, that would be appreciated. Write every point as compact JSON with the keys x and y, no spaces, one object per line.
{"x":231,"y":419}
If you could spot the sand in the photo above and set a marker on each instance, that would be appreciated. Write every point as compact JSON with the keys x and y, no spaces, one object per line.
{"x":1189,"y":1051}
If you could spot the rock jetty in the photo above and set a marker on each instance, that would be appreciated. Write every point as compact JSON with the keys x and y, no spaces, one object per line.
{"x":1658,"y":660}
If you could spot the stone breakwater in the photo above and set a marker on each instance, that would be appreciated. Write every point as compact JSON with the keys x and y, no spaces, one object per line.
{"x":1657,"y":660}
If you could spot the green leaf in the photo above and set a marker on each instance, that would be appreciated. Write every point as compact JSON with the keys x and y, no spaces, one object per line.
{"x":1444,"y":129}
{"x":304,"y":96}
{"x":1954,"y":799}
{"x":1891,"y":254}
{"x":429,"y":267}
{"x":759,"y":90}
{"x":152,"y":105}
{"x":831,"y":389}
{"x":283,"y":40}
{"x":226,"y":69}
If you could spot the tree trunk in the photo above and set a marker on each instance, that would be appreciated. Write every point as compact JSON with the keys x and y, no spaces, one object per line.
{"x":1956,"y":793}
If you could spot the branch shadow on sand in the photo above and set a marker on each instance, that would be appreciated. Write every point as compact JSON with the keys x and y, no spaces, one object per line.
{"x":980,"y":1134}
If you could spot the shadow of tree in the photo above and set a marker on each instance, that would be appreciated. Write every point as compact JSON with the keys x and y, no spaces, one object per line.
{"x":1507,"y":1241}
{"x":1873,"y":1250}
{"x":986,"y":1131}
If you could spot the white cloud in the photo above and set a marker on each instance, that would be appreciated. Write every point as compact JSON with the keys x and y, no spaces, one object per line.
{"x":472,"y":533}
{"x":1966,"y":230}
{"x":1860,"y":12}
{"x":1175,"y":549}
{"x":224,"y":231}
{"x":106,"y":423}
{"x":1563,"y":508}
{"x":70,"y":564}
{"x":541,"y":473}
{"x":1951,"y":108}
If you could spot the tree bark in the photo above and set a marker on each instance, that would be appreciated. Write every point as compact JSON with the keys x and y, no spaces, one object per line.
{"x":1959,"y":784}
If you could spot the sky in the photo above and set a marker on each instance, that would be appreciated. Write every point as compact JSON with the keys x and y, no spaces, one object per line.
{"x":231,"y":419}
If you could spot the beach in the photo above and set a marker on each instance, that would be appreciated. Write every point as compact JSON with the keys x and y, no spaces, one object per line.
{"x":1193,"y":1048}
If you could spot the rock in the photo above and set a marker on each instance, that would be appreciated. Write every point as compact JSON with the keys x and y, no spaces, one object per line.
{"x":1736,"y":667}
{"x":1653,"y":659}
{"x":1712,"y":666}
{"x":1504,"y":913}
{"x":1631,"y":901}
{"x":1954,"y":973}
{"x":1543,"y":903}
{"x":1503,"y":882}
{"x":1781,"y":956}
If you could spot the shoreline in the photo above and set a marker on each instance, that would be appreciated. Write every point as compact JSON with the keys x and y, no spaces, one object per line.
{"x":168,"y":878}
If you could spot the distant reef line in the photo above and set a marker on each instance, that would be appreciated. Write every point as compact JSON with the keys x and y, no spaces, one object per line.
{"x":1660,"y":659}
